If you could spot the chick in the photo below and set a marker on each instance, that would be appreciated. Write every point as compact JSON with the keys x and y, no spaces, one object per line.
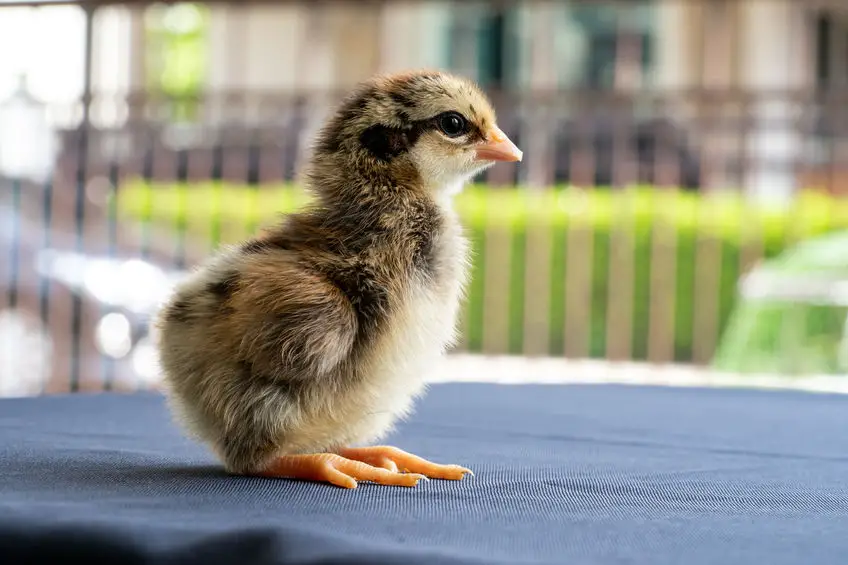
{"x":284,"y":353}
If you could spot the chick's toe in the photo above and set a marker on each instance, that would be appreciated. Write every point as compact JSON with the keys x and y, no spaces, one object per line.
{"x":337,"y":470}
{"x":382,"y":455}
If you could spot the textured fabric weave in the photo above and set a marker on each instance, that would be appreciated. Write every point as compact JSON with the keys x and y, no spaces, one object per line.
{"x":564,"y":475}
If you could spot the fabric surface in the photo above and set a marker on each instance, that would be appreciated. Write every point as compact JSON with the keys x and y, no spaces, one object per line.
{"x":564,"y":475}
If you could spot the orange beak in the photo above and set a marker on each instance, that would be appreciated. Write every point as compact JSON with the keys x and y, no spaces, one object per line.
{"x":498,"y":147}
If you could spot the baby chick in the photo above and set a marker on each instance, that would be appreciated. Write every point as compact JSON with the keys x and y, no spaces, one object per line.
{"x":283,"y":353}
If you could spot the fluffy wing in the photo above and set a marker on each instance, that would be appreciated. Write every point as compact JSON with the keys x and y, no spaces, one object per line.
{"x":269,"y":313}
{"x":301,"y":322}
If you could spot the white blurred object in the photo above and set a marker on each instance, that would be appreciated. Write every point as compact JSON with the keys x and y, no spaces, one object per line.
{"x":113,"y":335}
{"x":145,"y":363}
{"x":26,"y":351}
{"x":134,"y":284}
{"x":28,"y":145}
{"x":802,"y":289}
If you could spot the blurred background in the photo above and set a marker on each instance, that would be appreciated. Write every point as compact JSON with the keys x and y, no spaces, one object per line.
{"x":682,"y":199}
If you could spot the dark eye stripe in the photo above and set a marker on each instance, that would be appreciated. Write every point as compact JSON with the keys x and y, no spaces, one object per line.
{"x":386,"y":142}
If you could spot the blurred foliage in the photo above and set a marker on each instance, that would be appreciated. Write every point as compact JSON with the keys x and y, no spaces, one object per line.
{"x":683,"y":223}
{"x":767,"y":335}
{"x":176,"y":37}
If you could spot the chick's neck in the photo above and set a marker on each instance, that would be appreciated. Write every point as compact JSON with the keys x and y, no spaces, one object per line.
{"x":361,"y":185}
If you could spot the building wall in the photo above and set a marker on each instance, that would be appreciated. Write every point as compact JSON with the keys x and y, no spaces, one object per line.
{"x":301,"y":46}
{"x":255,"y":48}
{"x":755,"y":45}
{"x":758,"y":49}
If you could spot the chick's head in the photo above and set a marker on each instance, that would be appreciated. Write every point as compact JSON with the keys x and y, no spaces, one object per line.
{"x":440,"y":125}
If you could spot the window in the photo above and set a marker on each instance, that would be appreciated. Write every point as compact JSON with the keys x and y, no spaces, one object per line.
{"x":482,"y":43}
{"x":47,"y":45}
{"x":492,"y":43}
{"x":604,"y":30}
{"x":831,"y":36}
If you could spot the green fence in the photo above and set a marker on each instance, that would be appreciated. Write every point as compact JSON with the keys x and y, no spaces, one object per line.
{"x":641,"y":273}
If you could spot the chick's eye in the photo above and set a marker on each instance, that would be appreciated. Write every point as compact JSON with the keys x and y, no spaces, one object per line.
{"x":452,"y":124}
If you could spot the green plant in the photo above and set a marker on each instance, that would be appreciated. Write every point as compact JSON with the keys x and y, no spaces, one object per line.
{"x":686,"y":223}
{"x":177,"y":36}
{"x":766,"y":333}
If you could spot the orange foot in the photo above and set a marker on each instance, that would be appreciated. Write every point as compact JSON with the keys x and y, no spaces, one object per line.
{"x":394,"y":459}
{"x":336,"y":469}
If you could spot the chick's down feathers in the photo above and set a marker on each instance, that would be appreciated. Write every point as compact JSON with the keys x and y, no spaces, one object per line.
{"x":318,"y":333}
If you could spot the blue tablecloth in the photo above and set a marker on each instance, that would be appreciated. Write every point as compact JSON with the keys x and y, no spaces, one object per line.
{"x":564,"y":474}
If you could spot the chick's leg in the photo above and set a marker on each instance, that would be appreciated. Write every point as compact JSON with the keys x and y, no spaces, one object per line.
{"x":335,"y":469}
{"x":392,"y":458}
